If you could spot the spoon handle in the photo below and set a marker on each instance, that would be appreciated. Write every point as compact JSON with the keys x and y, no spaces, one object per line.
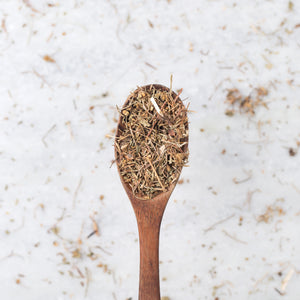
{"x":149,"y":261}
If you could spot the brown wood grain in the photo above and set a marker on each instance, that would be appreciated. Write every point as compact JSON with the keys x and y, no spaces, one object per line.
{"x":149,"y":214}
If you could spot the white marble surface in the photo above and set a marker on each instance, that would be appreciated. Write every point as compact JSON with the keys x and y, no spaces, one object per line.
{"x":55,"y":114}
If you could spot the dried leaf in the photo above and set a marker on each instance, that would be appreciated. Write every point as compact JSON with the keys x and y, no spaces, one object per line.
{"x":49,"y":59}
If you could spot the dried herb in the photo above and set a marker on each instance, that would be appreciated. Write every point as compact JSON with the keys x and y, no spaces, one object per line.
{"x":49,"y":59}
{"x":246,"y":104}
{"x":151,"y":142}
{"x":292,"y":152}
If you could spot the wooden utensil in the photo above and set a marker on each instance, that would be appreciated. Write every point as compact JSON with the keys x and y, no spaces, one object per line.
{"x":149,"y":215}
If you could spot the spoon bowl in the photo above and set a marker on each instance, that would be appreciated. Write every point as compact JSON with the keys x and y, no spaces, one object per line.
{"x":149,"y":213}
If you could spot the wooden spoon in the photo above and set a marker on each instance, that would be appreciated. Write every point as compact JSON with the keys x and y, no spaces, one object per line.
{"x":149,"y":215}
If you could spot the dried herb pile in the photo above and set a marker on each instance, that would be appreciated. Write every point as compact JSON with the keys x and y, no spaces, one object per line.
{"x":245,"y":104}
{"x":151,"y":142}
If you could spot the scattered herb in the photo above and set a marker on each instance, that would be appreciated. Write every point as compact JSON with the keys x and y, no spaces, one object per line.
{"x":245,"y":104}
{"x":49,"y":59}
{"x":292,"y":152}
{"x":271,"y":211}
{"x":55,"y":230}
{"x":150,"y":24}
{"x":76,"y":253}
{"x":181,"y":181}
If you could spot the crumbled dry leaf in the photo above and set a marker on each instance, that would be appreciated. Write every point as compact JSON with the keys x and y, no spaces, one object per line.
{"x":150,"y":24}
{"x":245,"y":104}
{"x":271,"y":211}
{"x":76,"y":253}
{"x":191,"y":48}
{"x":55,"y":230}
{"x":49,"y":59}
{"x":104,"y":267}
{"x":292,"y":152}
{"x":229,"y":112}
{"x":269,"y":66}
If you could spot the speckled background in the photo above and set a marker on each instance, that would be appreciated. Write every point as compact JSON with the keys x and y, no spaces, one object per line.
{"x":231,"y":229}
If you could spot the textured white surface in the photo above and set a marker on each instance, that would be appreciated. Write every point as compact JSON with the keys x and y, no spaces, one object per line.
{"x":55,"y":158}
